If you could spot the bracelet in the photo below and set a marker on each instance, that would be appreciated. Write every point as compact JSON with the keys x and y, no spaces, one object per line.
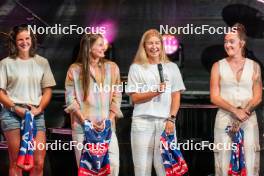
{"x":170,"y":119}
{"x":13,"y":108}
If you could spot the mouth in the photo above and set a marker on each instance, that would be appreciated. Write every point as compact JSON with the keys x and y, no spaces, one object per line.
{"x":154,"y":50}
{"x":24,"y":46}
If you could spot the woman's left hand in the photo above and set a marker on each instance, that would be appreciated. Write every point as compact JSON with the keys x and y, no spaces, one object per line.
{"x":35,"y":111}
{"x":169,"y":127}
{"x":99,"y":126}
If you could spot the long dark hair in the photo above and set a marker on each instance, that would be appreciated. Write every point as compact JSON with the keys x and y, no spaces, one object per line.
{"x":13,"y":51}
{"x":83,"y":58}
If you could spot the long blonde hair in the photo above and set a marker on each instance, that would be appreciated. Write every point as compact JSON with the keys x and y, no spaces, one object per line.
{"x":141,"y":55}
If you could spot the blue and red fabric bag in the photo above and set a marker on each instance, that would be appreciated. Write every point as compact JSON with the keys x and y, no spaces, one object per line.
{"x":28,"y":132}
{"x":95,"y":158}
{"x":173,"y":160}
{"x":237,"y":166}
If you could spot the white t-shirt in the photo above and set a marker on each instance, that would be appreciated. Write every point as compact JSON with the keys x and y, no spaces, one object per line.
{"x":144,"y":79}
{"x":23,"y":80}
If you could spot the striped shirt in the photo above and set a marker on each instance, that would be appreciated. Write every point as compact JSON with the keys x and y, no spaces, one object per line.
{"x":101,"y":98}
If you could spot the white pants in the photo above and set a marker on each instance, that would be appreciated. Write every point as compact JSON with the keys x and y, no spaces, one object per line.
{"x":251,"y":144}
{"x":145,"y":142}
{"x":113,"y":151}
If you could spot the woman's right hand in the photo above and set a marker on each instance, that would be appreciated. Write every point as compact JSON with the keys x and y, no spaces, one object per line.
{"x":99,"y":126}
{"x":162,"y":87}
{"x":79,"y":115}
{"x":241,"y":114}
{"x":20,"y":111}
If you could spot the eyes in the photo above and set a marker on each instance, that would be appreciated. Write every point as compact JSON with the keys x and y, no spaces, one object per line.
{"x":229,"y":41}
{"x":21,"y":39}
{"x":153,"y":43}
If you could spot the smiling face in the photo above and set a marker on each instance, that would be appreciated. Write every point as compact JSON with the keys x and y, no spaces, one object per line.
{"x":233,"y":44}
{"x":23,"y":41}
{"x":153,"y":47}
{"x":98,"y":48}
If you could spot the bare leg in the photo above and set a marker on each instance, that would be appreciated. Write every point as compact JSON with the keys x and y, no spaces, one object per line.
{"x":39,"y":154}
{"x":13,"y":142}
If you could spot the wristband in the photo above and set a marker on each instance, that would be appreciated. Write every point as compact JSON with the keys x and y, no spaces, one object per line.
{"x":13,"y":108}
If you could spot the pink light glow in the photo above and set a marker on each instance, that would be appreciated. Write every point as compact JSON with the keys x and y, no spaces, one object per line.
{"x":171,"y":43}
{"x":110,"y":29}
{"x":109,"y":32}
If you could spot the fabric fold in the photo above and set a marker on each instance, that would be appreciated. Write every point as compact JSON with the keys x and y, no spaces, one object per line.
{"x":237,"y":161}
{"x":95,"y":158}
{"x":28,"y":132}
{"x":173,"y":160}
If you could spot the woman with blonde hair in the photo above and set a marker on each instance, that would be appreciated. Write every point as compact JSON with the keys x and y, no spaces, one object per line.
{"x":236,"y":88}
{"x":156,"y":102}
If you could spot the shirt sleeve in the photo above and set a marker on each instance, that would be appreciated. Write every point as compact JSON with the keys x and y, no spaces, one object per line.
{"x":3,"y":76}
{"x":48,"y":78}
{"x":116,"y":94}
{"x":177,"y":82}
{"x":70,"y":92}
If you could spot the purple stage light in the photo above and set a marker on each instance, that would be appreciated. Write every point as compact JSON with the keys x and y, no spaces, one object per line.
{"x":171,"y":43}
{"x":108,"y":29}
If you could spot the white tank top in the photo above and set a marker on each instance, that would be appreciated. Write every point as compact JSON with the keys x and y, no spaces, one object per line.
{"x":237,"y":93}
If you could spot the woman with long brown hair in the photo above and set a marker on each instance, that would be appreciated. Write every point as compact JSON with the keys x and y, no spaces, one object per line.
{"x":86,"y":102}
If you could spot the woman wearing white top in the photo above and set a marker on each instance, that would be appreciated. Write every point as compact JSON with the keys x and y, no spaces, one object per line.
{"x":236,"y":88}
{"x":152,"y":107}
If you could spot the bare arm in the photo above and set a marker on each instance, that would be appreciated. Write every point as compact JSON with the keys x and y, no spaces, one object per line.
{"x":5,"y":100}
{"x":257,"y":89}
{"x":8,"y":103}
{"x":175,"y":105}
{"x":46,"y":97}
{"x":138,"y":97}
{"x":215,"y":90}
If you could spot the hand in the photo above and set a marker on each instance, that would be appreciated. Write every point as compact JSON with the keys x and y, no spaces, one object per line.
{"x":162,"y":87}
{"x":241,"y":114}
{"x":35,"y":111}
{"x":79,"y":115}
{"x":169,"y":127}
{"x":20,"y":111}
{"x":248,"y":111}
{"x":99,"y":126}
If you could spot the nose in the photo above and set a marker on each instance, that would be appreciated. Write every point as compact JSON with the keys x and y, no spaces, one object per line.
{"x":153,"y":46}
{"x":227,"y":44}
